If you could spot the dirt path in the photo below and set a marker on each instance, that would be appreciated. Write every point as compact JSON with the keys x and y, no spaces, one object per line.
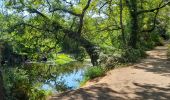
{"x":147,"y":80}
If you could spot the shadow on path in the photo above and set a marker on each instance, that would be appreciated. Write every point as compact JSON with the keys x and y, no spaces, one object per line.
{"x":156,"y":62}
{"x":97,"y":92}
{"x":102,"y":92}
{"x":151,"y":92}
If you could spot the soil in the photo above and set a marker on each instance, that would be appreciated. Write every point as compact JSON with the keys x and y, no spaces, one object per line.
{"x":147,"y":80}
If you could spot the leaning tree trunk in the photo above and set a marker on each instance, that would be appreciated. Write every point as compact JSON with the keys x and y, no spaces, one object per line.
{"x":92,"y":50}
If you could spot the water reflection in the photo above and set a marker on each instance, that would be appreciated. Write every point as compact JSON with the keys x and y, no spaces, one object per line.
{"x":57,"y":77}
{"x":71,"y":80}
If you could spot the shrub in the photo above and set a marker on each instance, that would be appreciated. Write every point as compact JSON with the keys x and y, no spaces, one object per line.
{"x":94,"y":72}
{"x":18,"y":86}
{"x":109,"y":61}
{"x":132,"y":55}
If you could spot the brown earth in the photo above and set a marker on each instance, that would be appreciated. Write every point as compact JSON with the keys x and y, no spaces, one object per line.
{"x":147,"y":80}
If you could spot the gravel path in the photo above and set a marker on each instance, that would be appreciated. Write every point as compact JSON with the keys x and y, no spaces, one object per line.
{"x":147,"y":80}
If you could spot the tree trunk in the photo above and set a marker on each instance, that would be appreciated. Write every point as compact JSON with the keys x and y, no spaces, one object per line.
{"x":92,"y":50}
{"x":121,"y":23}
{"x":134,"y":23}
{"x":1,"y":78}
{"x":1,"y":87}
{"x":134,"y":31}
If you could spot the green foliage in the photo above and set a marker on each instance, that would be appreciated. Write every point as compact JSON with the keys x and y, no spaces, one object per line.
{"x":80,"y":54}
{"x":70,"y":46}
{"x":18,"y":86}
{"x":132,"y":55}
{"x":93,"y":72}
{"x":31,"y":28}
{"x":26,"y":81}
{"x":63,"y":59}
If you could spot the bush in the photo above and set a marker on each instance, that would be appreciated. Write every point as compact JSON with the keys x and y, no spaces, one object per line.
{"x":109,"y":61}
{"x":94,"y":72}
{"x":18,"y":86}
{"x":132,"y":55}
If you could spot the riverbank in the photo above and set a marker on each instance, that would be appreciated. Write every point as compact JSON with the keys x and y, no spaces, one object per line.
{"x":148,"y":79}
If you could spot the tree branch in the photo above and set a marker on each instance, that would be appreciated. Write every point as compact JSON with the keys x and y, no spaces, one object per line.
{"x":153,"y":27}
{"x":82,"y":17}
{"x":156,"y":14}
{"x":103,"y":6}
{"x":32,"y":10}
{"x":109,"y":28}
{"x":154,"y":9}
{"x":12,"y":28}
{"x":65,"y":10}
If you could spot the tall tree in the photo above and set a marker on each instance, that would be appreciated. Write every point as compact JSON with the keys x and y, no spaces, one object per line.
{"x":135,"y":13}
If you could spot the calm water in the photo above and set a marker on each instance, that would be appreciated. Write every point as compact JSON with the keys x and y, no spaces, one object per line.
{"x":51,"y":77}
{"x":70,"y":79}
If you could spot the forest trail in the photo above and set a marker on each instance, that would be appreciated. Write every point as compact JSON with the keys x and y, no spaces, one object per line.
{"x":147,"y":80}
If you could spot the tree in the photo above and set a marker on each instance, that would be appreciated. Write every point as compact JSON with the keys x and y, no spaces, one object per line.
{"x":57,"y":8}
{"x":134,"y":14}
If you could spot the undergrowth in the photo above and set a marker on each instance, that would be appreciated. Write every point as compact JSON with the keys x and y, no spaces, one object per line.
{"x":93,"y":72}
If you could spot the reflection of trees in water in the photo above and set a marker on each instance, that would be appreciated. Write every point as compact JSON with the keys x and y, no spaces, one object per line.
{"x":28,"y":78}
{"x":43,"y":72}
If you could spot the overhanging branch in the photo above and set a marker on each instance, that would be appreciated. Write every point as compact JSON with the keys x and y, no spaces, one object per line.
{"x":154,"y":9}
{"x":65,"y":10}
{"x":32,"y":10}
{"x":154,"y":25}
